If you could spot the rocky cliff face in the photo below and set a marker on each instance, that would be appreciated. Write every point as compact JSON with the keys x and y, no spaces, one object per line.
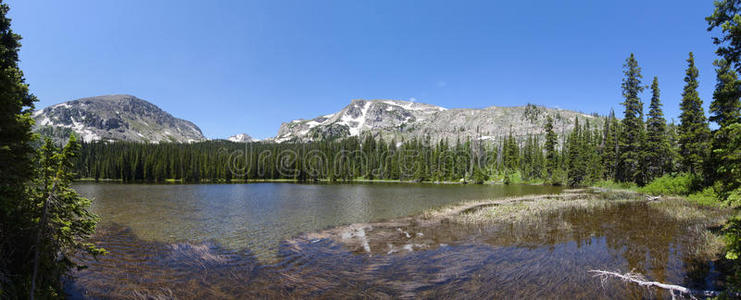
{"x":358,"y":117}
{"x":403,"y":120}
{"x":115,"y":118}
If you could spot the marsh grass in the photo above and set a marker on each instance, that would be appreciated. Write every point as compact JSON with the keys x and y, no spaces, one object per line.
{"x":523,"y":211}
{"x":687,"y":210}
{"x":472,"y":205}
{"x":710,"y":244}
{"x":487,"y":211}
{"x":549,"y":211}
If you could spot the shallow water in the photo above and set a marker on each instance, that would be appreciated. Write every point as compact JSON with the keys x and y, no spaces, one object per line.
{"x":548,"y":257}
{"x":259,"y":216}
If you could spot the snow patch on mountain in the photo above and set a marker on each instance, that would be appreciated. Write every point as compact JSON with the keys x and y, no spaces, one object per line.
{"x":241,"y":138}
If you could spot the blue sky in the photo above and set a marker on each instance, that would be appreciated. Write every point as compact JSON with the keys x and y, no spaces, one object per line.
{"x":247,"y":66}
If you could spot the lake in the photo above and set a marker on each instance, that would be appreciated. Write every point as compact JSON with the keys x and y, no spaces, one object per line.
{"x":245,"y":240}
{"x":259,"y":216}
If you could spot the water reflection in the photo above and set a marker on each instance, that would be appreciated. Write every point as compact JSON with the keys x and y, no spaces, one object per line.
{"x":546,"y":257}
{"x":259,"y":216}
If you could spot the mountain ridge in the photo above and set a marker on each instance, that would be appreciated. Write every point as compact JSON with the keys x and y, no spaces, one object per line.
{"x":403,"y":120}
{"x":128,"y":118}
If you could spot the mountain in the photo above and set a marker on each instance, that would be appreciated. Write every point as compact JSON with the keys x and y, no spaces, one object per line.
{"x":128,"y":118}
{"x":398,"y":119}
{"x":241,"y":138}
{"x":114,"y":118}
{"x":359,"y":116}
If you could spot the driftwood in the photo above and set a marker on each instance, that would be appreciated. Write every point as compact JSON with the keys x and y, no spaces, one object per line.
{"x":641,"y":280}
{"x":653,"y":198}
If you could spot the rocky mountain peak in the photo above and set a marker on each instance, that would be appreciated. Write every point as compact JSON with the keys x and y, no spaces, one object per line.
{"x":115,"y":117}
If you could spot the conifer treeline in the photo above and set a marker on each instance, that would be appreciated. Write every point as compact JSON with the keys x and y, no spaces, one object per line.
{"x":577,"y":159}
{"x":636,"y":148}
{"x":340,"y":160}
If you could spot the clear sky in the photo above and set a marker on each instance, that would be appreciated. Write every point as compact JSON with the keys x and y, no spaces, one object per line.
{"x":247,"y":66}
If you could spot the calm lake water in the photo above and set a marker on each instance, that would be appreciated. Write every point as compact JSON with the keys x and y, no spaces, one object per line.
{"x":259,"y":216}
{"x":244,"y":241}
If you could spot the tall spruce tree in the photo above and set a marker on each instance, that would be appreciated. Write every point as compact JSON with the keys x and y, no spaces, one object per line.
{"x":591,"y":155}
{"x":725,"y":17}
{"x":573,"y":174}
{"x":632,"y":134}
{"x":551,"y":156}
{"x":16,"y":167}
{"x":672,"y":136}
{"x":725,"y":110}
{"x":65,"y":223}
{"x":657,"y":144}
{"x":727,"y":140}
{"x":610,"y":152}
{"x":42,"y":219}
{"x":694,"y":133}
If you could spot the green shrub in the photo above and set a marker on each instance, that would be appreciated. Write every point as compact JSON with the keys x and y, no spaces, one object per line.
{"x":732,"y":232}
{"x":706,"y":197}
{"x":734,"y":197}
{"x":513,"y":178}
{"x":559,"y":177}
{"x":680,"y":185}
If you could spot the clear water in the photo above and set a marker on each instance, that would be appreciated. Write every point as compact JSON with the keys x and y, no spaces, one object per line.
{"x":243,"y":241}
{"x":259,"y":216}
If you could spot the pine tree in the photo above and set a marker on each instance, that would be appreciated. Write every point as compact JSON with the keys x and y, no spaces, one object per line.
{"x":672,"y":137}
{"x":576,"y":170}
{"x":725,"y":160}
{"x":726,"y":107}
{"x":630,"y":158}
{"x":65,"y":223}
{"x":694,"y":133}
{"x":42,"y":220}
{"x":610,"y":154}
{"x":657,"y":145}
{"x":725,"y":17}
{"x":512,"y":153}
{"x":595,"y":168}
{"x":551,"y":141}
{"x":17,"y":212}
{"x":729,"y":171}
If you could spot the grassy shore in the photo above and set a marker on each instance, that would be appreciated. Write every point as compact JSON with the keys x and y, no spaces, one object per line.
{"x":452,"y":223}
{"x":524,"y":208}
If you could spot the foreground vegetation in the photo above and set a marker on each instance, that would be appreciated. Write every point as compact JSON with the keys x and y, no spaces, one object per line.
{"x":42,"y":219}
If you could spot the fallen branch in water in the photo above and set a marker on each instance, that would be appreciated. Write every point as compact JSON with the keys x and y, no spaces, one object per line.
{"x":641,"y":280}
